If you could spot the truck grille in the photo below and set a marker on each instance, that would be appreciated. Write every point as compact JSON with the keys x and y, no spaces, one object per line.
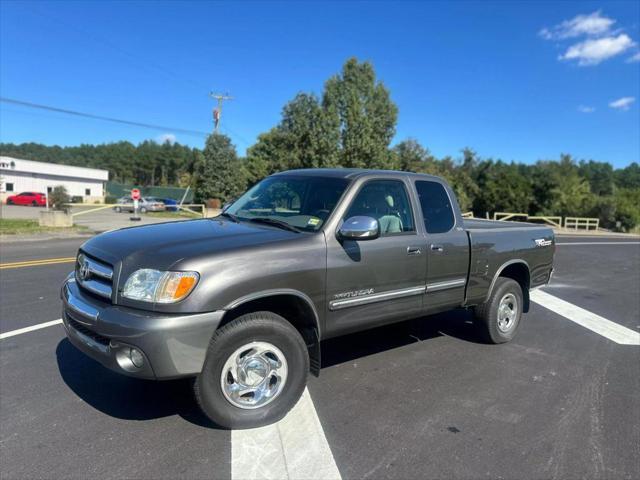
{"x":96,"y":337}
{"x":94,"y":276}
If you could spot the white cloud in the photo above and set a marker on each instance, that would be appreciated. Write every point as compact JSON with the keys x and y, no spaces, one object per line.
{"x":594,"y":51}
{"x":593,"y":24}
{"x":634,"y":58}
{"x":593,"y":39}
{"x":166,"y":137}
{"x":586,"y":109}
{"x":623,"y":103}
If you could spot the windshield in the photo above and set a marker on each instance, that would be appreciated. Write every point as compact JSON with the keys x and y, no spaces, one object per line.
{"x":301,"y":202}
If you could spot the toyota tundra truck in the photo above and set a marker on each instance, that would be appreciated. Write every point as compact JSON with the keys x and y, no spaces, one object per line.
{"x":241,"y":302}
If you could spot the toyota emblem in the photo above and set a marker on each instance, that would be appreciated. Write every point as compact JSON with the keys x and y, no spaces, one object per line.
{"x":83,"y":268}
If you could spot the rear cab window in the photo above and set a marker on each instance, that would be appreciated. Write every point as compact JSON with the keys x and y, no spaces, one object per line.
{"x":435,"y":203}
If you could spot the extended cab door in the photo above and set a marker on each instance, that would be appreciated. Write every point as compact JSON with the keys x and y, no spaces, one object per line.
{"x":447,"y":246}
{"x":370,"y":282}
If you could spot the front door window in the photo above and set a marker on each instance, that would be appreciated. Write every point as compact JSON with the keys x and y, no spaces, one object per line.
{"x":387,"y":202}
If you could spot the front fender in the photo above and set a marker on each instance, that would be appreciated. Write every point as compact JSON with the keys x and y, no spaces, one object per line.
{"x":276,"y":292}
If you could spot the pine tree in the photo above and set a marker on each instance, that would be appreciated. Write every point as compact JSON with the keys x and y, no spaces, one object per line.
{"x":364,"y":113}
{"x":219,"y":173}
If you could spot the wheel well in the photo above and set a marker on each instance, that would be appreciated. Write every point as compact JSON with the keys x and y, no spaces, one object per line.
{"x":520,"y":273}
{"x":292,"y":308}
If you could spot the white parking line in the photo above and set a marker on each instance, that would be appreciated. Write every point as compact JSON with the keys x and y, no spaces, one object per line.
{"x":20,"y":331}
{"x":293,"y":448}
{"x":597,"y":243}
{"x":600,"y":325}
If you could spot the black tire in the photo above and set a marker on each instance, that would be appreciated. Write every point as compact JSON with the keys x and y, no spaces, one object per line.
{"x":253,"y":327}
{"x":487,"y":314}
{"x":9,"y":202}
{"x":34,"y":204}
{"x":143,"y":210}
{"x":117,"y":209}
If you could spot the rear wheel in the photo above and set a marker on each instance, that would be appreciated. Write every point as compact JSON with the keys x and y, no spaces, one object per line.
{"x":254,"y":373}
{"x":34,"y":203}
{"x":9,"y":202}
{"x":117,"y":209}
{"x":499,"y":317}
{"x":143,"y":210}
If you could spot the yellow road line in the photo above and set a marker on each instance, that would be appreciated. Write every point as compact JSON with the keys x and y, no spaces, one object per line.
{"x":35,"y":263}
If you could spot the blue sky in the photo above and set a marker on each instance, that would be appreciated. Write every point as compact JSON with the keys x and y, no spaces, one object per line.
{"x":513,"y":80}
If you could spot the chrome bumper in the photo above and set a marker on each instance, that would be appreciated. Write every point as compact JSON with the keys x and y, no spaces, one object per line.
{"x":172,"y":345}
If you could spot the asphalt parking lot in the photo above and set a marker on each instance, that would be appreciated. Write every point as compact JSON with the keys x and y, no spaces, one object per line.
{"x":419,"y":399}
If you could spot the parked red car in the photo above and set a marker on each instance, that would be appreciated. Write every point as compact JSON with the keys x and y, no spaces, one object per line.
{"x":28,"y":198}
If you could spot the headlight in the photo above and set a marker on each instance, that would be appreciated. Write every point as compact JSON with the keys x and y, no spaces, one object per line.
{"x":150,"y":285}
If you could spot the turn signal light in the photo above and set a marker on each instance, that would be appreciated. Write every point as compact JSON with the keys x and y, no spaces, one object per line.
{"x":174,"y":286}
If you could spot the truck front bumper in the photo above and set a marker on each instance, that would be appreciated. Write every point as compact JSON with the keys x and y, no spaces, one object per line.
{"x":166,"y":345}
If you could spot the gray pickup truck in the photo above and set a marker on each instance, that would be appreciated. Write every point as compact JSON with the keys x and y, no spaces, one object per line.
{"x":241,"y":302}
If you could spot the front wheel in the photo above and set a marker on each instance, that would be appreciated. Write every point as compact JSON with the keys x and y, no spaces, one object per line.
{"x":498,"y":318}
{"x":254,"y":373}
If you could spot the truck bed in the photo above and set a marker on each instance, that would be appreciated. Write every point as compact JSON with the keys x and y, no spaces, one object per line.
{"x":494,"y":244}
{"x":479,"y":224}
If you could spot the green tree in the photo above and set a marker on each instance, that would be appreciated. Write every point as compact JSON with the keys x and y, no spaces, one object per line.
{"x":351,"y":127}
{"x":269,"y":154}
{"x":148,"y":163}
{"x":410,"y":156}
{"x":464,"y":187}
{"x":571,"y":196}
{"x":311,"y":138}
{"x":627,"y":203}
{"x":599,"y":175}
{"x":303,"y":139}
{"x":363,"y":112}
{"x":628,"y":177}
{"x":542,"y":176}
{"x":219,"y":173}
{"x":501,"y":187}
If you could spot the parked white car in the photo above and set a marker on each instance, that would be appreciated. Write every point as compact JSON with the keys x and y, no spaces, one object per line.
{"x":125,"y":204}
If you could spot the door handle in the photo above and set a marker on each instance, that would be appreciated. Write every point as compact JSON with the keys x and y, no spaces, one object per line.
{"x":437,"y":248}
{"x":413,"y":251}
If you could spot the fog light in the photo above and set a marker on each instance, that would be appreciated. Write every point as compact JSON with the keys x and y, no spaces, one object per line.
{"x":136,"y":357}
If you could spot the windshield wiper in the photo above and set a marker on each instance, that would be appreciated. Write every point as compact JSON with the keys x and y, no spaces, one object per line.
{"x":230,"y":216}
{"x":275,"y":223}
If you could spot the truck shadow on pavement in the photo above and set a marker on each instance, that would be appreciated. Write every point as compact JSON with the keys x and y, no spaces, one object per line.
{"x":454,"y":323}
{"x":134,"y":399}
{"x":124,"y":397}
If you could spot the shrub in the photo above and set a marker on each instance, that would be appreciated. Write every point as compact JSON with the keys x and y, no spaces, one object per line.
{"x":58,"y":197}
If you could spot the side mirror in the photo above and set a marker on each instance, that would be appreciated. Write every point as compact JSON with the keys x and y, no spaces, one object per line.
{"x":359,"y":228}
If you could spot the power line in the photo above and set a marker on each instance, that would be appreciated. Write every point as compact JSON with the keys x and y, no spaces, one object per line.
{"x":144,"y":62}
{"x":217,"y":112}
{"x":103,"y":118}
{"x":237,"y":136}
{"x":141,"y":62}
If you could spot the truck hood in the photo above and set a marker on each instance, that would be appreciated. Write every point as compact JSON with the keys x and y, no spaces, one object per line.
{"x":162,"y":245}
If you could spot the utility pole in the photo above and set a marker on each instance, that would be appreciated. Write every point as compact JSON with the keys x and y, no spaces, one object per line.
{"x":217,"y":112}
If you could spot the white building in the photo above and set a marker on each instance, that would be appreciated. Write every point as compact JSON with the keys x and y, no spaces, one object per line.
{"x":17,"y":175}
